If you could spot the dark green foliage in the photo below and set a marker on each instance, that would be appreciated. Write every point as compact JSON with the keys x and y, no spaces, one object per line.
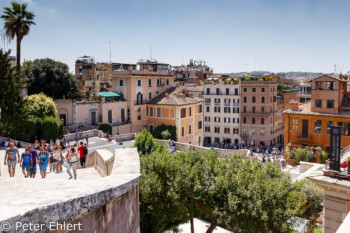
{"x":312,"y":192}
{"x":19,"y":129}
{"x":10,"y":88}
{"x":159,"y":129}
{"x":105,"y":127}
{"x":52,"y":78}
{"x":49,"y":128}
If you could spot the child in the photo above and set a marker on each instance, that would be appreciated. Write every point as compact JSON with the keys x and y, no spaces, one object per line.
{"x":52,"y":162}
{"x":26,"y":162}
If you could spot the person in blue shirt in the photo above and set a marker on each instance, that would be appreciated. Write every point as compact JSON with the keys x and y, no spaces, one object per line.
{"x":26,"y":162}
{"x":43,"y":160}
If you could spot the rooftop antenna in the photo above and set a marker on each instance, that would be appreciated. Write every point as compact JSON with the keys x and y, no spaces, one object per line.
{"x":150,"y":52}
{"x":110,"y":52}
{"x":335,"y":68}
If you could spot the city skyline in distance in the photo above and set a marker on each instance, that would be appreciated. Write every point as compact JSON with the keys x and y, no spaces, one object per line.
{"x":276,"y":36}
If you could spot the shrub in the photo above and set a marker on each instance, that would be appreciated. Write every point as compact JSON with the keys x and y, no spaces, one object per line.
{"x":166,"y":135}
{"x":161,"y":128}
{"x":310,"y":156}
{"x":312,"y":193}
{"x":19,"y":129}
{"x":300,"y":155}
{"x":40,"y":106}
{"x":323,"y":156}
{"x":348,"y":160}
{"x":145,"y":143}
{"x":105,"y":127}
{"x":49,"y":128}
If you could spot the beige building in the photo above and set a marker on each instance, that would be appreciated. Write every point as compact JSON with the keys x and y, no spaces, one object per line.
{"x":222,"y":112}
{"x":261,"y":118}
{"x":177,"y":107}
{"x":139,"y":84}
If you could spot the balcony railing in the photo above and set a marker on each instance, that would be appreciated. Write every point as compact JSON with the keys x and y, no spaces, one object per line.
{"x":217,"y":103}
{"x":231,"y":94}
{"x":207,"y":103}
{"x":305,"y":137}
{"x":227,"y":104}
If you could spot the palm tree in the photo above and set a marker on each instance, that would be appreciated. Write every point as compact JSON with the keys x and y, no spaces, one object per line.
{"x":17,"y":23}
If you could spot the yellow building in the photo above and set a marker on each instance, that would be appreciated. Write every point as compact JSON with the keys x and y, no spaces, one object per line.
{"x":177,"y":107}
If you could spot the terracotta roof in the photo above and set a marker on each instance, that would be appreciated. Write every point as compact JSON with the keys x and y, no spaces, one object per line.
{"x":336,"y":77}
{"x":195,"y":89}
{"x":175,"y":96}
{"x":305,"y":109}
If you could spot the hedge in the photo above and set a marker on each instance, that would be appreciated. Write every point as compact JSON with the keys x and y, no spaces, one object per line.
{"x":49,"y":128}
{"x":157,"y":133}
{"x":105,"y":127}
{"x":19,"y":129}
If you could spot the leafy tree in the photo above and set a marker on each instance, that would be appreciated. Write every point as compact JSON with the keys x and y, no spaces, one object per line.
{"x":145,"y":144}
{"x":17,"y":24}
{"x":105,"y":127}
{"x":312,"y":193}
{"x":161,"y":128}
{"x":40,"y":106}
{"x":52,"y":78}
{"x":10,"y":88}
{"x":49,"y":128}
{"x":166,"y":135}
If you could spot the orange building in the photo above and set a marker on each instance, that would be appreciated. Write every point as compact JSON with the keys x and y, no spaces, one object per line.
{"x":308,"y":124}
{"x":177,"y":107}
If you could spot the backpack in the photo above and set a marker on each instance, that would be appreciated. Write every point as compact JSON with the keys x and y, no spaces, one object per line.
{"x":85,"y":150}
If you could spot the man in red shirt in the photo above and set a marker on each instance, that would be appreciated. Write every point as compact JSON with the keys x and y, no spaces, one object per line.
{"x":82,"y":151}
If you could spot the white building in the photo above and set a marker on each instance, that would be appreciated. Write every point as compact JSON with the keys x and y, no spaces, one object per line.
{"x":222,"y":112}
{"x":305,"y":91}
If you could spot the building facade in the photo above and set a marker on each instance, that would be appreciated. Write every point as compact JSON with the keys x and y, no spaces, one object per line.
{"x":308,"y":123}
{"x":222,"y":112}
{"x":305,"y":91}
{"x":261,"y":119}
{"x":177,"y":107}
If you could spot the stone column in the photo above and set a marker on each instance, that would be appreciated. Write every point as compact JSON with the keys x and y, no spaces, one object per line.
{"x":336,"y":200}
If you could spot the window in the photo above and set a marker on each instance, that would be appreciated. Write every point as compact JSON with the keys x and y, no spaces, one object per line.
{"x":208,"y":91}
{"x":150,"y":82}
{"x":189,"y":111}
{"x":183,"y":112}
{"x":207,"y":119}
{"x":235,"y":131}
{"x":216,"y":119}
{"x":319,"y":86}
{"x":217,"y":91}
{"x":139,"y":83}
{"x":245,"y":99}
{"x":262,"y":121}
{"x":227,"y":109}
{"x":183,"y":131}
{"x":151,"y":128}
{"x":245,"y":89}
{"x":207,"y":129}
{"x":217,"y":100}
{"x":262,"y":109}
{"x":345,"y":128}
{"x":244,"y":120}
{"x":254,"y":89}
{"x":329,"y":124}
{"x":262,"y":99}
{"x":253,"y":99}
{"x":167,"y":82}
{"x":330,"y":85}
{"x":253,"y":120}
{"x":208,"y":109}
{"x":253,"y":131}
{"x":244,"y":109}
{"x":149,"y":95}
{"x":253,"y":109}
{"x":200,"y":108}
{"x":227,"y":91}
{"x":217,"y":129}
{"x":139,"y":114}
{"x":158,"y":112}
{"x":216,"y":109}
{"x":199,"y":124}
{"x":189,"y":129}
{"x":121,"y":82}
{"x":330,"y":104}
{"x":227,"y":130}
{"x":227,"y":120}
{"x":110,"y":116}
{"x":262,"y":89}
{"x":318,"y":126}
{"x":236,"y":91}
{"x":158,"y":82}
{"x":295,"y":124}
{"x":318,"y":103}
{"x":262,"y":132}
{"x":151,"y":111}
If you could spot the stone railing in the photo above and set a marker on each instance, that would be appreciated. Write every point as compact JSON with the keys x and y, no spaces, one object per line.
{"x":220,"y":152}
{"x":102,"y":160}
{"x":22,"y":144}
{"x":89,"y":133}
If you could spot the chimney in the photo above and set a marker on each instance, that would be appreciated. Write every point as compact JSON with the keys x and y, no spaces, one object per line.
{"x":294,"y":105}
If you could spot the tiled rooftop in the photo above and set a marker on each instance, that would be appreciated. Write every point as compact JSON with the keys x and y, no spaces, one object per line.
{"x":175,"y":96}
{"x":305,"y":109}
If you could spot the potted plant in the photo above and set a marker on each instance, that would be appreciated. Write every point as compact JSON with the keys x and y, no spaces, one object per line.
{"x":348,"y":163}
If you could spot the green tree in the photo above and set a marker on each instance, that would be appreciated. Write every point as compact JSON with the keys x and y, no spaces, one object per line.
{"x":40,"y":106}
{"x":18,"y":21}
{"x":145,"y":143}
{"x":49,"y":128}
{"x":166,"y":135}
{"x":105,"y":127}
{"x":10,"y":88}
{"x":312,"y":193}
{"x":52,"y":78}
{"x":158,"y":131}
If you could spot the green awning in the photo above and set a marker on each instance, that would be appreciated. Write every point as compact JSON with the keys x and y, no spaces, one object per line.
{"x":108,"y":94}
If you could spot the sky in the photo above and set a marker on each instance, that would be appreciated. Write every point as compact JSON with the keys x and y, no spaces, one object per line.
{"x":230,"y":35}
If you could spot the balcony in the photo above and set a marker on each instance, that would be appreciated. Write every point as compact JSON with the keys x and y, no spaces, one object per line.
{"x":217,"y":103}
{"x":140,"y":102}
{"x":207,"y":103}
{"x":259,"y":112}
{"x":227,"y":104}
{"x":231,"y":94}
{"x":236,"y":104}
{"x":244,"y":135}
{"x":304,"y":137}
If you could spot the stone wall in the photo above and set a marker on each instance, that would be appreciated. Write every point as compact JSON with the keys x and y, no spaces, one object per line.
{"x":89,"y":133}
{"x":22,"y":144}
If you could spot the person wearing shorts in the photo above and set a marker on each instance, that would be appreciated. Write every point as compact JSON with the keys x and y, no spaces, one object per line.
{"x":32,"y":171}
{"x":11,"y":157}
{"x":43,"y":161}
{"x":26,"y":161}
{"x":82,"y":154}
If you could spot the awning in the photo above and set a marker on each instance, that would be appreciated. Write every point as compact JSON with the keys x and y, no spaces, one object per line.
{"x":108,"y":94}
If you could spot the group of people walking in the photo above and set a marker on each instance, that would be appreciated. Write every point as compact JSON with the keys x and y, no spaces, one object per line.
{"x":45,"y":155}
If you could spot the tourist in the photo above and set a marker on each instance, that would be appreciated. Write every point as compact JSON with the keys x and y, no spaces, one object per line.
{"x":56,"y":157}
{"x":76,"y":136}
{"x":26,"y":161}
{"x":51,"y":145}
{"x":52,"y":162}
{"x":263,"y":159}
{"x":58,"y":142}
{"x":43,"y":161}
{"x":189,"y":146}
{"x":87,"y":139}
{"x":11,"y":156}
{"x":7,"y":143}
{"x":80,"y":135}
{"x":61,"y":161}
{"x":32,"y":171}
{"x":83,"y":152}
{"x":283,"y":162}
{"x":72,"y":163}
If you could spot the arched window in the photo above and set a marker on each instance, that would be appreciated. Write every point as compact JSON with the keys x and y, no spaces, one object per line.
{"x":139,"y":98}
{"x":139,"y":114}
